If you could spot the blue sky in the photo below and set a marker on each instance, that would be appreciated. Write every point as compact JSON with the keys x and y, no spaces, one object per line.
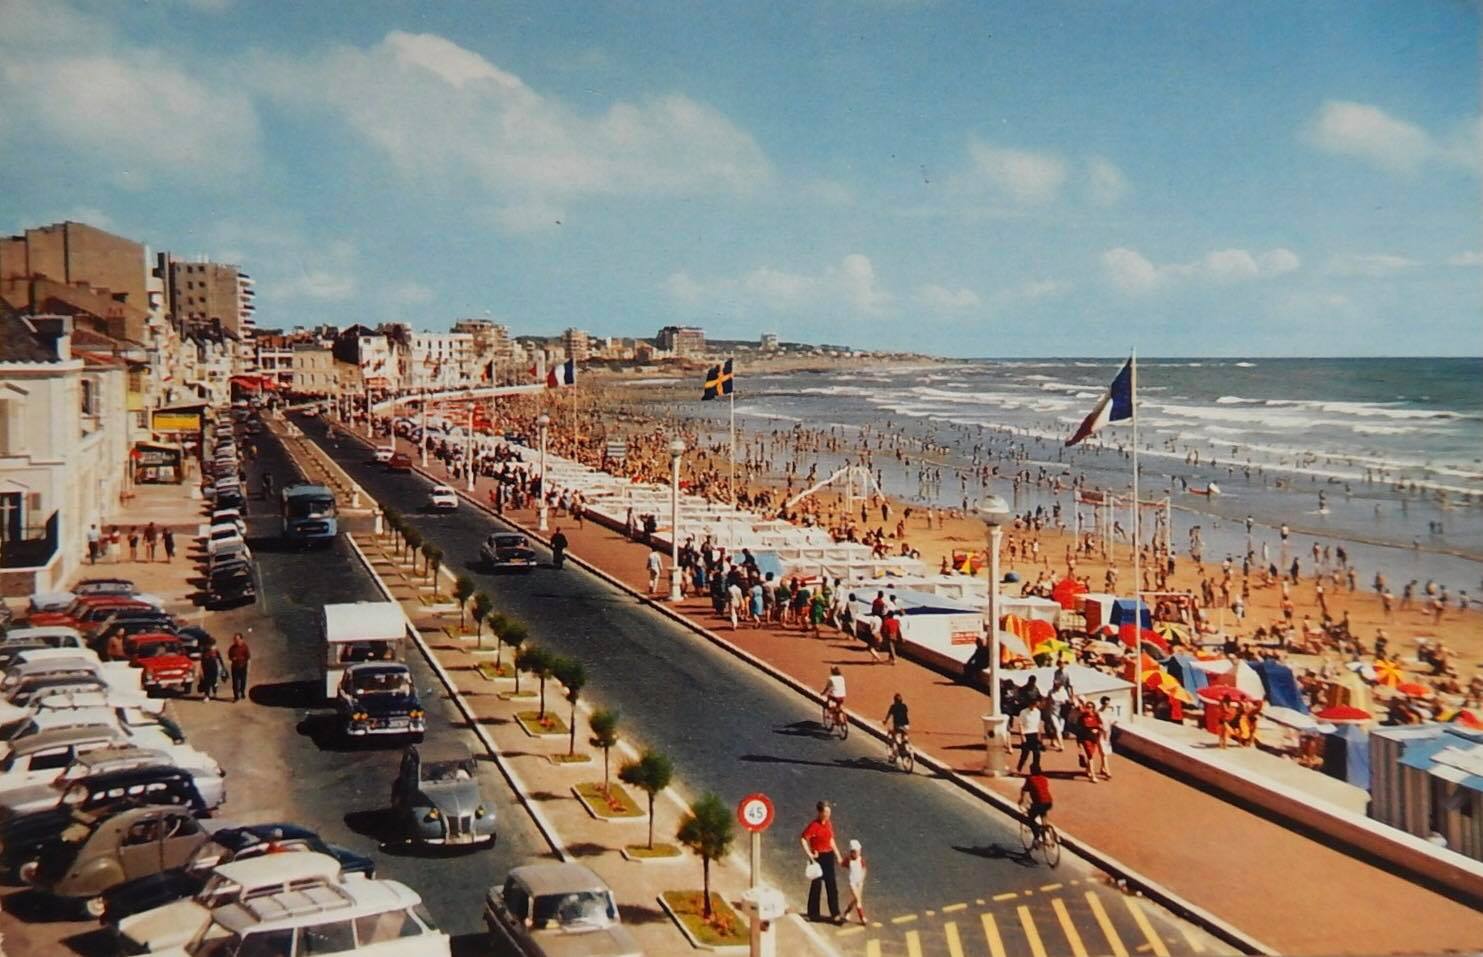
{"x":957,"y":178}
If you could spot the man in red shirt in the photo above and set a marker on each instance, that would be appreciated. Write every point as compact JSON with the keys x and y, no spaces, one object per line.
{"x":1037,"y":788}
{"x":238,"y":655}
{"x":891,"y":634}
{"x":818,"y":844}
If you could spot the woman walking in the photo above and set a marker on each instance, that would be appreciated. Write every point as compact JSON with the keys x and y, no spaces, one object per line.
{"x":855,"y":871}
{"x":211,"y":669}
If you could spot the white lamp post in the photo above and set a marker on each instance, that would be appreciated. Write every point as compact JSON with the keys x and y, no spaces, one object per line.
{"x":468,"y":452}
{"x":422,"y":430}
{"x":543,"y":422}
{"x":676,"y":452}
{"x":994,"y":512}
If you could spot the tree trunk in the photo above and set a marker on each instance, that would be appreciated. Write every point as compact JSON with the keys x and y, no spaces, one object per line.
{"x":572,"y":746}
{"x":605,"y":789}
{"x":705,"y":882}
{"x":651,"y":820}
{"x":543,"y":696}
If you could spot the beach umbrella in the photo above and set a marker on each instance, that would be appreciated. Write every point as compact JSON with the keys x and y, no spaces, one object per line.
{"x":1039,"y":631}
{"x":1051,"y":646}
{"x":1388,"y":673}
{"x":1468,"y":719}
{"x":1130,"y":633}
{"x":1414,"y":689}
{"x":1015,"y":625}
{"x":1149,"y":667}
{"x":1104,"y":648}
{"x":1066,"y":592}
{"x":1169,"y":685}
{"x":1219,"y":693}
{"x":1171,"y":630}
{"x":1343,"y":714}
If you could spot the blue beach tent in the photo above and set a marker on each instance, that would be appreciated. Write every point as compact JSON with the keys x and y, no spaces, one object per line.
{"x":1346,"y":755}
{"x":1182,"y":667}
{"x":1126,"y":609}
{"x":1280,"y":685}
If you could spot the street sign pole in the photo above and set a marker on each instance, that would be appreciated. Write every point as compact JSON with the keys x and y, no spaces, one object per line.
{"x":756,"y":856}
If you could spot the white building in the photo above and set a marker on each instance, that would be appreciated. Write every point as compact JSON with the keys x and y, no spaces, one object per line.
{"x":440,"y":360}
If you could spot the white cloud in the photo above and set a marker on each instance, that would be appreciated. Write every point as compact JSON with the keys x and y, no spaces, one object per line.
{"x":1105,"y":184}
{"x":1133,"y":273}
{"x":851,"y":285}
{"x":1372,"y":265}
{"x":1039,"y":289}
{"x":1395,"y":145}
{"x":318,"y":284}
{"x":942,"y":299}
{"x":1470,"y":257}
{"x":136,"y":109}
{"x":437,"y":111}
{"x":1020,"y":176}
{"x":409,"y":293}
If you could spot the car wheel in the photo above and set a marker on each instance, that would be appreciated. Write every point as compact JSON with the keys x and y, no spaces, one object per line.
{"x":94,"y":907}
{"x":27,"y":871}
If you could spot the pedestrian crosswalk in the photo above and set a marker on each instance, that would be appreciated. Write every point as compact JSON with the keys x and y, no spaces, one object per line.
{"x":1058,"y":921}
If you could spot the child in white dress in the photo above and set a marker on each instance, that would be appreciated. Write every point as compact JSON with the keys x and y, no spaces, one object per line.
{"x":855,"y":868}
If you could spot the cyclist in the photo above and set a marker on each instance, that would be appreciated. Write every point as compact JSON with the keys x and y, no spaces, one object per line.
{"x":897,"y":721}
{"x":1037,"y":788}
{"x":834,"y":691}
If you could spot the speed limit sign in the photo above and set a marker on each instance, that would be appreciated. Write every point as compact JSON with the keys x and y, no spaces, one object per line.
{"x":755,"y":813}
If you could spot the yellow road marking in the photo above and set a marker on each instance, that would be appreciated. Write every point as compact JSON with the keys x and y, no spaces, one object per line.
{"x":931,"y":913}
{"x":904,"y":919}
{"x":991,"y":934}
{"x":1006,"y":897}
{"x":1104,"y":922}
{"x":913,"y":944}
{"x":1072,"y":937}
{"x":1032,"y":936}
{"x":979,"y":901}
{"x":1195,"y":944}
{"x":876,"y":924}
{"x":1141,"y":919}
{"x":872,"y":948}
{"x":848,"y":931}
{"x":1051,"y":887}
{"x":952,"y":908}
{"x":954,"y":946}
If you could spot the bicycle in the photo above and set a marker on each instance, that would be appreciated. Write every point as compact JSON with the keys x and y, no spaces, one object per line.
{"x":1048,"y":843}
{"x":900,"y":753}
{"x":835,"y":721}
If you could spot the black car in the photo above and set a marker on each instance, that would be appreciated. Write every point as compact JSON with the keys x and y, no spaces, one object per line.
{"x":195,"y":638}
{"x":506,"y":550}
{"x":226,"y":844}
{"x":124,"y":627}
{"x":377,"y":699}
{"x":26,"y":837}
{"x":230,"y":587}
{"x":143,"y":614}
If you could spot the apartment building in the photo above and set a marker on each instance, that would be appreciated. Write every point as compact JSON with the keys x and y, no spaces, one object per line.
{"x":681,"y":340}
{"x":68,"y":267}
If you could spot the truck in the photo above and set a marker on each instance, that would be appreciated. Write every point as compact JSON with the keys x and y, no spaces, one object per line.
{"x":309,"y":514}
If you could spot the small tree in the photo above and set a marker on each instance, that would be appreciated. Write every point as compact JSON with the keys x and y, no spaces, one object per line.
{"x":412,"y":538}
{"x":513,"y":633}
{"x":391,"y":519}
{"x":483,"y":605}
{"x":604,"y":726}
{"x":497,"y":623}
{"x":707,"y":830}
{"x":650,"y":774}
{"x":573,"y":676}
{"x":463,"y":590}
{"x":524,"y":661}
{"x":542,"y":666}
{"x":434,"y":556}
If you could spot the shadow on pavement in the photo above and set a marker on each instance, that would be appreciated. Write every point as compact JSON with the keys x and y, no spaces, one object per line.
{"x":807,"y":728}
{"x":996,"y":852}
{"x":847,"y":764}
{"x":288,"y":694}
{"x":640,"y":914}
{"x":93,"y":943}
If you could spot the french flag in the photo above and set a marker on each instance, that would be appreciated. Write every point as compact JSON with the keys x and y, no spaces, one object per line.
{"x":1115,"y":406}
{"x":564,"y":374}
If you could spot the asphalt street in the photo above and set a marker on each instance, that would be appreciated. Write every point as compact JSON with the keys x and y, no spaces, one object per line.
{"x":732,"y":730}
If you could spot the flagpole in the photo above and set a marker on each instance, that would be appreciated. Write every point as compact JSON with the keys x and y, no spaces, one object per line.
{"x":733,"y":448}
{"x":1137,"y":582}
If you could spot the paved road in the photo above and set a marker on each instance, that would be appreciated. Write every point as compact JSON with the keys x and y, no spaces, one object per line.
{"x":732,"y":730}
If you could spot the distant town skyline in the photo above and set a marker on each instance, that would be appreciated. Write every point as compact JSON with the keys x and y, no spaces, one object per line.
{"x":1261,"y":179}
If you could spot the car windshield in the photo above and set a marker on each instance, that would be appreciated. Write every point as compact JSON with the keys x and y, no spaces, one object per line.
{"x":354,"y":651}
{"x":447,"y":771}
{"x":215,"y":941}
{"x":156,"y":649}
{"x":383,"y":682}
{"x":509,"y":541}
{"x":594,"y":908}
{"x":303,"y":506}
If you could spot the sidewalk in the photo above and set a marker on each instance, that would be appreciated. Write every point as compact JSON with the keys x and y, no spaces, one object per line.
{"x":1293,"y":893}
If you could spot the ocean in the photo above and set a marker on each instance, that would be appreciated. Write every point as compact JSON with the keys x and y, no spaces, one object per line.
{"x":1382,"y":455}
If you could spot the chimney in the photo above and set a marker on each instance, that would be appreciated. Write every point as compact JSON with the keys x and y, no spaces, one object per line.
{"x":55,"y":332}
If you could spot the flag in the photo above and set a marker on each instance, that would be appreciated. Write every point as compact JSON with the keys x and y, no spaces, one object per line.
{"x":1115,"y":406}
{"x":718,"y":381}
{"x":534,"y":372}
{"x":564,"y":374}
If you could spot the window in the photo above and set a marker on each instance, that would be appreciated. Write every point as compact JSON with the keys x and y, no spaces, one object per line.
{"x":336,"y":937}
{"x":517,"y":901}
{"x":11,"y":436}
{"x":142,"y":832}
{"x":380,"y":928}
{"x":51,"y":760}
{"x":272,"y":943}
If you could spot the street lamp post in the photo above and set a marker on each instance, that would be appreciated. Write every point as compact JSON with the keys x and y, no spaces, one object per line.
{"x":468,"y":454}
{"x":422,"y":429}
{"x":542,"y":520}
{"x":676,"y":452}
{"x":994,"y":512}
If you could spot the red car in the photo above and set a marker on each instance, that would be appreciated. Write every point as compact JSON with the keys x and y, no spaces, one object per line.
{"x":399,"y":462}
{"x":85,"y":610}
{"x":163,"y":659}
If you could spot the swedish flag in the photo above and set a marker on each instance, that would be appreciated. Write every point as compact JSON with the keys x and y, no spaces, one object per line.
{"x":719,"y":381}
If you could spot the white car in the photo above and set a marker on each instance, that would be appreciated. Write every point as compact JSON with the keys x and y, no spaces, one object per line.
{"x":210,"y":779}
{"x":138,"y":727}
{"x":442,"y":499}
{"x":175,"y":923}
{"x":383,"y":454}
{"x":369,"y":918}
{"x":221,"y":536}
{"x":40,"y":757}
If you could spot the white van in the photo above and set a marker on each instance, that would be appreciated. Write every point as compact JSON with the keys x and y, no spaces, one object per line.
{"x":358,"y":632}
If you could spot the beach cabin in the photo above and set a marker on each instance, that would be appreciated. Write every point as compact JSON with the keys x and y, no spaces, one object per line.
{"x":1086,"y":682}
{"x":357,"y":632}
{"x":1427,"y":779}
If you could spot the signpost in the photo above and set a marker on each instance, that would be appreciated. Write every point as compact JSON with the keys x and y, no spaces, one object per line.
{"x":755,"y":813}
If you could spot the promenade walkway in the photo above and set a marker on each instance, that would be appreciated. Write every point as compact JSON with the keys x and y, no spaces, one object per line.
{"x":1289,"y":891}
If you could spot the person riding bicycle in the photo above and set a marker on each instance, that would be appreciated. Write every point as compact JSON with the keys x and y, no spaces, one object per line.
{"x":834,"y":691}
{"x":1037,"y":788}
{"x":897,"y":721}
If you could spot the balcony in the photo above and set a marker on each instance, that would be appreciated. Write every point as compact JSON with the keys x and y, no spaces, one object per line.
{"x":34,"y":549}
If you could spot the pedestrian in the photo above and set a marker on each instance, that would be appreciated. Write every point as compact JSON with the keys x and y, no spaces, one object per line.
{"x":150,"y":538}
{"x":168,"y":537}
{"x":133,"y":543}
{"x":855,"y":870}
{"x":95,"y":540}
{"x":890,"y":634}
{"x":558,"y":548}
{"x":818,"y":844}
{"x":238,"y":655}
{"x":1106,"y":715}
{"x":1030,"y":720}
{"x":211,"y":668}
{"x":655,"y":565}
{"x":1089,"y":733}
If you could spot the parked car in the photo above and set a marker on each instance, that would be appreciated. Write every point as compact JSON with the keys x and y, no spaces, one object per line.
{"x":231,"y":551}
{"x":173,"y":924}
{"x":399,"y":462}
{"x":230,"y":586}
{"x":551,"y":908}
{"x":156,"y":784}
{"x":91,"y":632}
{"x":227,"y":844}
{"x":88,"y":610}
{"x":123,"y":628}
{"x":163,"y":662}
{"x":442,"y":499}
{"x":42,"y":757}
{"x":95,"y":855}
{"x":18,"y":640}
{"x":436,"y":798}
{"x":48,"y":601}
{"x":141,"y":726}
{"x":38,"y":796}
{"x":383,"y":454}
{"x":220,"y":535}
{"x":379,"y":698}
{"x":115,"y":586}
{"x":372,"y":918}
{"x":508,"y":551}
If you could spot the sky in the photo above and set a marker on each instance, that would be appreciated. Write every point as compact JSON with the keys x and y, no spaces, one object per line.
{"x":963,"y":179}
